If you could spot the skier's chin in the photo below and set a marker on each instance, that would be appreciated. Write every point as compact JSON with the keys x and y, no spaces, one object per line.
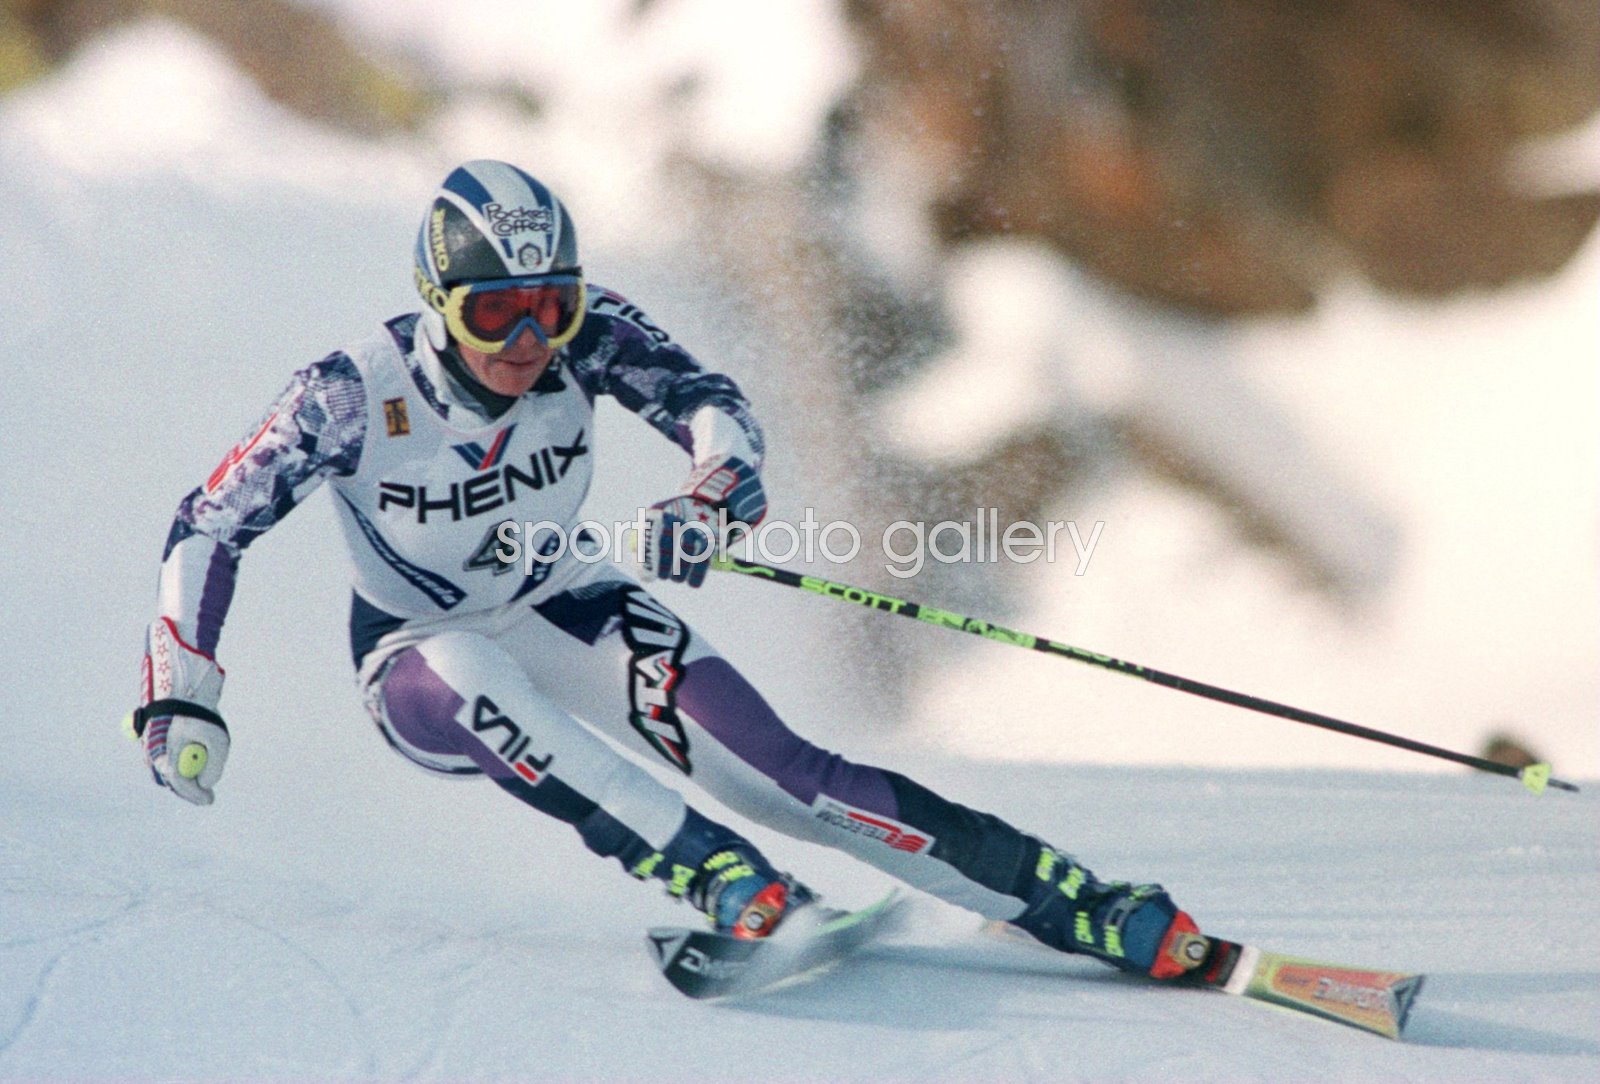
{"x":512,"y":371}
{"x":510,"y":377}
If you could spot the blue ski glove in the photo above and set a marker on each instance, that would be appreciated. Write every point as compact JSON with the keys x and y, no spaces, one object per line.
{"x":185,"y":741}
{"x":683,"y":533}
{"x":732,"y":486}
{"x":680,"y":537}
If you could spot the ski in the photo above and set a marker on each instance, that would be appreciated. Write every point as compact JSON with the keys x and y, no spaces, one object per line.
{"x":1366,"y":998}
{"x":707,"y":964}
{"x":1372,"y":1000}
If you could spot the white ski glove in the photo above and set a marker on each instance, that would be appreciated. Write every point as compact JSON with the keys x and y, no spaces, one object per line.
{"x":185,"y":740}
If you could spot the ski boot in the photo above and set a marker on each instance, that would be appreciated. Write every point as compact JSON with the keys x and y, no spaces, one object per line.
{"x":744,"y":896}
{"x":1133,"y":927}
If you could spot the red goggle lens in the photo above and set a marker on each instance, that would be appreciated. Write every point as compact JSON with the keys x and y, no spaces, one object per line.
{"x":554,"y":306}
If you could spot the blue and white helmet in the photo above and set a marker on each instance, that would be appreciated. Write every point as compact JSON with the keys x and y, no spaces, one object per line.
{"x":489,"y":220}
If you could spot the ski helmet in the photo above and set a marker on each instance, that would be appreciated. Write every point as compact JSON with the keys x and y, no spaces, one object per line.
{"x":489,"y":220}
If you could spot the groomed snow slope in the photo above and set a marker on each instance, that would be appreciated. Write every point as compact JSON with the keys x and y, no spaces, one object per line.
{"x":360,"y":937}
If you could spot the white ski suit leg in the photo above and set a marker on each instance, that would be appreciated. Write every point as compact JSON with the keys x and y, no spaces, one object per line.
{"x":615,"y":656}
{"x":457,"y":702}
{"x":506,"y":698}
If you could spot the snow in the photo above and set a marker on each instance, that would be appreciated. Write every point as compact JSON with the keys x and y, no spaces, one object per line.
{"x":338,"y":915}
{"x":358,"y":936}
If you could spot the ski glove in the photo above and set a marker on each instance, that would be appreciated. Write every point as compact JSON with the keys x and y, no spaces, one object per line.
{"x":679,"y":541}
{"x":185,"y":740}
{"x":682,"y":533}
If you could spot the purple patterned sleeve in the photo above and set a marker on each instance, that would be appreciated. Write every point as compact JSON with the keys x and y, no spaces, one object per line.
{"x":316,"y":428}
{"x":620,"y":352}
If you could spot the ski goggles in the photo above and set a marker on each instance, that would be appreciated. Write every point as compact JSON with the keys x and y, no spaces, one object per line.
{"x":487,"y":315}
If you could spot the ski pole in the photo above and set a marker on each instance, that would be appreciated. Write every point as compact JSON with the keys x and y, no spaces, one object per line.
{"x":1535,"y":776}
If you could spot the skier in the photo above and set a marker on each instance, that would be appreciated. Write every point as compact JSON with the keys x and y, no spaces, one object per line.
{"x":476,"y":412}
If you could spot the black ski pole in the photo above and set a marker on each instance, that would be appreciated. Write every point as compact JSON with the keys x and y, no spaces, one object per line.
{"x":1535,"y":776}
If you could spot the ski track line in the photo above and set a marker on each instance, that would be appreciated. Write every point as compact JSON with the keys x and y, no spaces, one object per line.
{"x":446,"y":1011}
{"x":30,"y":1005}
{"x":364,"y":1041}
{"x":78,"y":937}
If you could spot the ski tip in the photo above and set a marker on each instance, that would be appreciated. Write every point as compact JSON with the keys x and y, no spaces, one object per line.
{"x":1376,"y":1001}
{"x":1405,"y":995}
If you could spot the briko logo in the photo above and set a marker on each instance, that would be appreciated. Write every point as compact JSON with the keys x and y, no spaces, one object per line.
{"x":480,"y":459}
{"x":436,"y":296}
{"x":441,"y":251}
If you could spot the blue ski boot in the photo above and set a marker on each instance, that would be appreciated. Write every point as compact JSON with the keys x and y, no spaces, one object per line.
{"x":744,"y":896}
{"x":1133,"y":927}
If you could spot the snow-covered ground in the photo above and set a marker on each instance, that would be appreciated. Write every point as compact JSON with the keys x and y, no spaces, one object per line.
{"x":176,"y":245}
{"x":359,"y":936}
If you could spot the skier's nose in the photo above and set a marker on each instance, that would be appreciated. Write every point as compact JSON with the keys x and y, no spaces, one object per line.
{"x":524,"y":345}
